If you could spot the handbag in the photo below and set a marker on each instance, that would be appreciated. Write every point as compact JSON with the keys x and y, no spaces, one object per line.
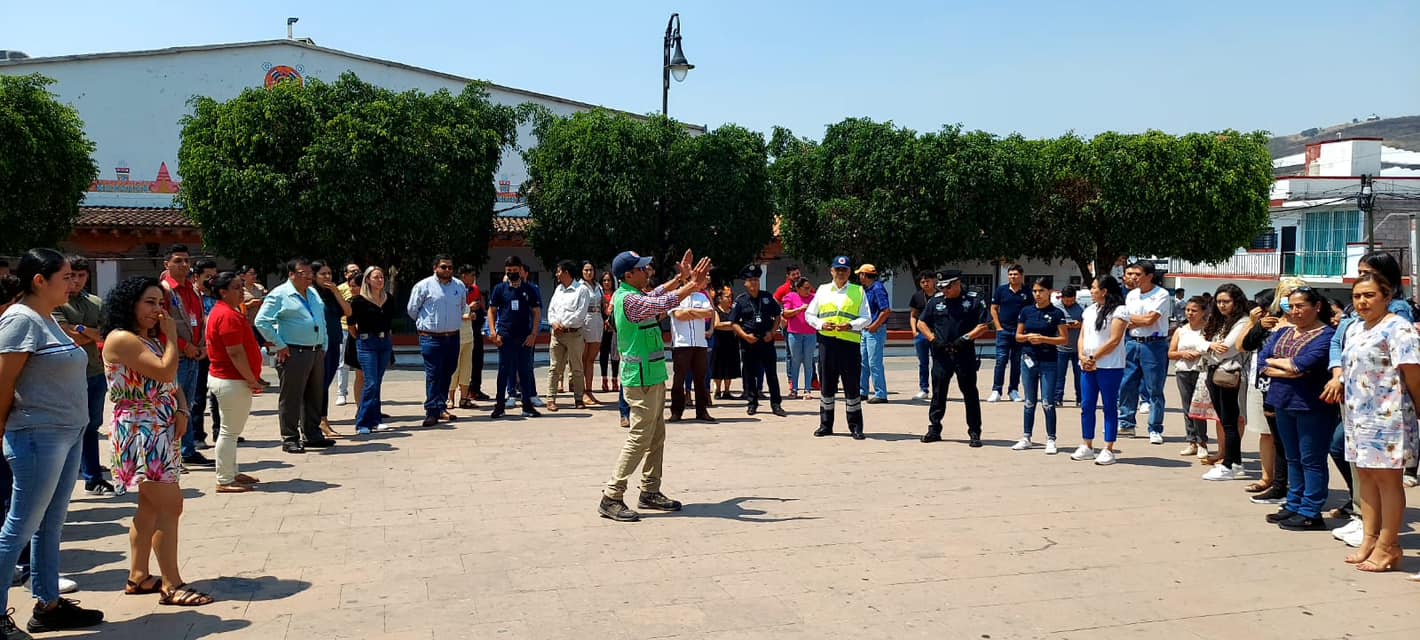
{"x":1227,"y":375}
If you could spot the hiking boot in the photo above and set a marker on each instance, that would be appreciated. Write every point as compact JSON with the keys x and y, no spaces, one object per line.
{"x":657,"y":501}
{"x":617,"y":510}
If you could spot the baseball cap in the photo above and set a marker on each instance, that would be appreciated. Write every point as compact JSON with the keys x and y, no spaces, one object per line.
{"x":626,"y":261}
{"x":842,"y":262}
{"x":868,"y":268}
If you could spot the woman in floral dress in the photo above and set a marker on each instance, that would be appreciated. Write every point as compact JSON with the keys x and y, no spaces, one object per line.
{"x":1381,"y":362}
{"x":149,"y":418}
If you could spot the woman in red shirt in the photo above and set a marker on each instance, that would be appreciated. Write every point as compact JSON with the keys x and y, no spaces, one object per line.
{"x":234,"y":375}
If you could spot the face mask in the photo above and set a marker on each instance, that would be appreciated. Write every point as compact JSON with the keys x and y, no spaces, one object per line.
{"x":514,"y":276}
{"x":1286,"y":305}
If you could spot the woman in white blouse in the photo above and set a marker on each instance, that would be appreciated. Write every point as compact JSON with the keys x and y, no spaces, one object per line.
{"x":1187,"y":350}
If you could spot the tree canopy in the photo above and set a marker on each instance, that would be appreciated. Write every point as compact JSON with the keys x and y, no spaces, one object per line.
{"x":45,"y":164}
{"x":345,"y":169}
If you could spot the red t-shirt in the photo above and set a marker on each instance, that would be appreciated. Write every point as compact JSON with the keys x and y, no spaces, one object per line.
{"x":783,"y":290}
{"x":473,"y":294}
{"x":227,"y":327}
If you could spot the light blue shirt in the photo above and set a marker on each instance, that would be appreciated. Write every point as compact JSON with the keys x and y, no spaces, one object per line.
{"x":284,"y":320}
{"x":436,"y":307}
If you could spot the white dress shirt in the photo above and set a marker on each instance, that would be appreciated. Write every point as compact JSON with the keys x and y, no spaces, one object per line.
{"x":569,"y":304}
{"x":691,"y":333}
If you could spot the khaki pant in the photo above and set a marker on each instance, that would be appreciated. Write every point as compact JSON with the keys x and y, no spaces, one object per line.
{"x":234,"y":396}
{"x":566,"y":351}
{"x":463,"y":374}
{"x":646,"y":439}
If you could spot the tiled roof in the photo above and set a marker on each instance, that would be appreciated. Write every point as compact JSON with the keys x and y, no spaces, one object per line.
{"x":133,"y":218}
{"x":511,"y":224}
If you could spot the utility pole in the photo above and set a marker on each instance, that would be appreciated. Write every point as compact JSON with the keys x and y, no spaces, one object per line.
{"x":1366,"y":201}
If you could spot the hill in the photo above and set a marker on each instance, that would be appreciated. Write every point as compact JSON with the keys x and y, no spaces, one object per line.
{"x":1402,"y":132}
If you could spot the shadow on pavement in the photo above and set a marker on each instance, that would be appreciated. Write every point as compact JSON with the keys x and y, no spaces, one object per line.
{"x":81,"y":560}
{"x":891,"y":437}
{"x":297,"y":485}
{"x":177,"y":624}
{"x":264,"y":465}
{"x":92,"y":531}
{"x":732,"y":509}
{"x":253,"y":589}
{"x":100,"y":514}
{"x":1162,"y":463}
{"x":362,"y":447}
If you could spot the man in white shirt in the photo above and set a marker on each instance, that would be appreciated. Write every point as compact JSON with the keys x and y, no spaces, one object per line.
{"x":690,"y":354}
{"x":1146,"y":350}
{"x":567,"y":312}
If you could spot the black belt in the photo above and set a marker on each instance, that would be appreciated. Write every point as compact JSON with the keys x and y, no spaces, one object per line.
{"x":303,"y":347}
{"x":438,"y":334}
{"x":1148,"y":338}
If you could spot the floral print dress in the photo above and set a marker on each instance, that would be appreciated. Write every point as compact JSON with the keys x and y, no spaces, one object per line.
{"x":145,"y":446}
{"x":1379,"y":418}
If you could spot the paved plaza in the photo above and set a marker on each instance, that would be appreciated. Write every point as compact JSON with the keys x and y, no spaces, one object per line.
{"x":482,"y":529}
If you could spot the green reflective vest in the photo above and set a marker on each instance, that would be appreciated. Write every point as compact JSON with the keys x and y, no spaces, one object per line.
{"x":643,"y":350}
{"x":840,"y":307}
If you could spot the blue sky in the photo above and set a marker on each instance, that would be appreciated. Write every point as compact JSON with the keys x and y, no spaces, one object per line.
{"x":1037,"y":68}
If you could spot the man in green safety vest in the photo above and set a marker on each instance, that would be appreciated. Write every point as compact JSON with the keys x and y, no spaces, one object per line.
{"x":643,"y":376}
{"x":838,"y":313}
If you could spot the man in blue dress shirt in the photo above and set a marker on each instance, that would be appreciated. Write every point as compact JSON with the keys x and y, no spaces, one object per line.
{"x":437,"y":306}
{"x":292,"y":320}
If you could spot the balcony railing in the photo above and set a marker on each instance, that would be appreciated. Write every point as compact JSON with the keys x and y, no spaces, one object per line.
{"x":1265,"y":265}
{"x":1339,"y":263}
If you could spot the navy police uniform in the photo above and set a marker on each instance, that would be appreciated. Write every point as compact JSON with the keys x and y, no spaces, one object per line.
{"x":758,"y":316}
{"x":953,"y":354}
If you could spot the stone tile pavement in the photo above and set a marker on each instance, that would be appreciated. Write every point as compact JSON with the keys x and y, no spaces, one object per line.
{"x":486,"y":529}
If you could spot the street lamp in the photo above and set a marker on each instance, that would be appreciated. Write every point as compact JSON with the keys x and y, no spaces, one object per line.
{"x":674,"y":63}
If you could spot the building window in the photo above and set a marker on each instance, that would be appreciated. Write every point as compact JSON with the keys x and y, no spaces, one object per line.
{"x":1265,"y":242}
{"x":980,"y":283}
{"x":1325,"y":235}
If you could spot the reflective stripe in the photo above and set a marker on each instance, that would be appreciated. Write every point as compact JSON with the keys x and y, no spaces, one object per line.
{"x":638,"y":360}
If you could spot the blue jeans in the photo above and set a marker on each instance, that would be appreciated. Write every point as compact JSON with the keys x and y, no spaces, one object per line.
{"x":374,"y":357}
{"x":803,"y":347}
{"x":1097,"y":384}
{"x":924,"y":362}
{"x":45,"y":461}
{"x":622,"y":406}
{"x":1146,"y":364}
{"x":514,"y":359}
{"x":1008,"y":351}
{"x":187,"y":379}
{"x":873,"y":343}
{"x":441,"y":358}
{"x":89,"y":467}
{"x":1306,"y":437}
{"x":1065,"y":362}
{"x":1039,"y":382}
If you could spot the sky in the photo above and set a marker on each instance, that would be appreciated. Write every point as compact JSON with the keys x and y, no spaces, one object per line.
{"x":1035,"y":68}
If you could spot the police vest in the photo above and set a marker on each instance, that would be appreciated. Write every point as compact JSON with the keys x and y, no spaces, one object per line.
{"x":643,"y":350}
{"x":828,"y":309}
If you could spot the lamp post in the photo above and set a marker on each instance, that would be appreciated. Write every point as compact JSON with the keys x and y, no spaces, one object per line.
{"x":674,"y":62}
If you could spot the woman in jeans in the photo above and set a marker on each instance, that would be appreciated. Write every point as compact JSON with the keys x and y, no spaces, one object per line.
{"x":1381,"y":373}
{"x":335,"y":308}
{"x":1101,"y":351}
{"x":1295,"y":359}
{"x":1267,"y":316}
{"x":41,"y":372}
{"x":610,"y":357}
{"x":1186,"y":349}
{"x":1042,"y":329}
{"x":372,"y":312}
{"x":233,"y":377}
{"x":803,"y":340}
{"x":1223,"y":331}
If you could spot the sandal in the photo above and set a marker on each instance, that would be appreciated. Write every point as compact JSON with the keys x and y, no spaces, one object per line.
{"x":1257,"y":487}
{"x":243,"y":478}
{"x":137,"y":589}
{"x":183,"y":596}
{"x":233,"y":488}
{"x":466,"y":403}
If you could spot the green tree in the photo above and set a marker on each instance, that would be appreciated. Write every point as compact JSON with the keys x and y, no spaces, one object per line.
{"x":345,"y":169}
{"x":600,"y":183}
{"x":46,"y":164}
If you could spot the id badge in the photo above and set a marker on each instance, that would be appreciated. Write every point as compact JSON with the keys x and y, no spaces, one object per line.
{"x":513,"y":305}
{"x":758,"y":320}
{"x":1029,"y":361}
{"x":192,"y":321}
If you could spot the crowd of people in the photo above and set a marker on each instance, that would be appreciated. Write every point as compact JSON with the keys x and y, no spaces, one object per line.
{"x":1316,"y":378}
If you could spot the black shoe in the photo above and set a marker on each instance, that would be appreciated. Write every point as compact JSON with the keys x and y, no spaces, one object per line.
{"x":531,"y":413}
{"x":932,"y":435}
{"x":387,"y":416}
{"x":823,"y":431}
{"x":22,"y":573}
{"x":202,"y":444}
{"x":673,"y":419}
{"x":481,"y":396}
{"x":1282,"y":514}
{"x":99,"y":488}
{"x":751,"y":410}
{"x":858,"y":435}
{"x":241,"y":439}
{"x":1269,"y":497}
{"x":430,"y":421}
{"x":617,"y":510}
{"x":292,"y":447}
{"x":975,"y":442}
{"x":320,"y":443}
{"x":876,"y":400}
{"x":498,"y":412}
{"x":1300,"y":522}
{"x":197,"y":460}
{"x":657,"y":501}
{"x":65,"y":615}
{"x":779,"y":411}
{"x":11,"y":631}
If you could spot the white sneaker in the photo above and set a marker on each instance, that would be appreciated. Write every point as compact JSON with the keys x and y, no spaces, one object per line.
{"x":383,"y":427}
{"x":65,"y":584}
{"x":512,"y":403}
{"x":994,"y":397}
{"x":1410,"y":481}
{"x":1342,"y":531}
{"x":1355,"y":538}
{"x":1024,"y":444}
{"x":341,"y":400}
{"x":537,"y":402}
{"x":921,"y":395}
{"x":1050,"y":448}
{"x":1239,"y":472}
{"x":1143,"y":408}
{"x":1156,"y":438}
{"x":1202,"y":452}
{"x":1015,"y":396}
{"x":1105,"y":457}
{"x":1083,"y":453}
{"x":1220,"y":471}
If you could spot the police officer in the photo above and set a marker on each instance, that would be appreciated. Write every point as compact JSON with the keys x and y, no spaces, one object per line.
{"x":755,"y":317}
{"x":838,"y":312}
{"x":951,"y":323}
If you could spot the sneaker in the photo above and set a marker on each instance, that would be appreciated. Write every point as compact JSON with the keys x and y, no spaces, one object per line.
{"x":921,"y":395}
{"x":1239,"y":472}
{"x":657,"y":501}
{"x":1410,"y":481}
{"x":537,"y":402}
{"x":994,"y":397}
{"x":1190,"y":450}
{"x":1143,"y":408}
{"x":1024,"y":444}
{"x":99,"y":488}
{"x":1202,"y":452}
{"x":1156,"y":437}
{"x":1356,"y":537}
{"x":512,"y":403}
{"x":66,"y":614}
{"x":1300,"y":522}
{"x":1083,"y":453}
{"x":1015,"y":396}
{"x":1354,"y":524}
{"x":1269,"y":497}
{"x":531,"y":413}
{"x":383,"y":427}
{"x":1219,"y":472}
{"x":617,"y":510}
{"x":362,"y":431}
{"x":1105,"y":457}
{"x":1050,"y":448}
{"x":198,"y":460}
{"x":9,"y":630}
{"x":341,"y":400}
{"x":1279,"y":516}
{"x":65,"y":585}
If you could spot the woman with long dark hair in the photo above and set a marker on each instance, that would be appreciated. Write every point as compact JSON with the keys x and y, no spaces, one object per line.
{"x":42,"y":371}
{"x":610,"y":357}
{"x":1101,"y":351}
{"x":593,"y":330}
{"x":1187,"y":348}
{"x":1223,"y":374}
{"x":335,"y":308}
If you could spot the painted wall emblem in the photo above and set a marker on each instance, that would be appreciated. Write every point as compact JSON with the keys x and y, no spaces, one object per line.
{"x":276,"y":74}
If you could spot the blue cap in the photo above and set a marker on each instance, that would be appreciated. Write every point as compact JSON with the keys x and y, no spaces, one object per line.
{"x":626,"y":261}
{"x":842,"y":262}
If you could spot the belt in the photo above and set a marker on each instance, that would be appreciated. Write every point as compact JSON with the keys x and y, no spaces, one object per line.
{"x":1147,"y":338}
{"x":367,"y":336}
{"x":302,"y":347}
{"x":438,"y":334}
